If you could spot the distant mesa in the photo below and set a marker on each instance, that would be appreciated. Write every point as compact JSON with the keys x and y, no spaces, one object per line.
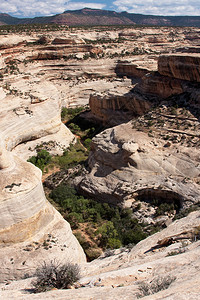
{"x":90,"y":16}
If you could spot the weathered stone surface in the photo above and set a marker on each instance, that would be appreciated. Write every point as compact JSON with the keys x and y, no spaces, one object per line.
{"x":6,"y":159}
{"x":120,"y":107}
{"x":12,"y":41}
{"x":61,"y":41}
{"x":126,"y":165}
{"x":31,"y":230}
{"x":32,"y":118}
{"x":125,"y":68}
{"x":161,"y":86}
{"x":185,"y":67}
{"x":119,"y":275}
{"x":176,"y":75}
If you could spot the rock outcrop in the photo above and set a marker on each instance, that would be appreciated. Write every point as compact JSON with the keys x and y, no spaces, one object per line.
{"x":120,"y":273}
{"x":32,"y":115}
{"x":129,"y":69}
{"x":154,"y":157}
{"x":185,"y":67}
{"x":29,"y":225}
{"x":177,"y":74}
{"x":126,"y":166}
{"x":121,"y":107}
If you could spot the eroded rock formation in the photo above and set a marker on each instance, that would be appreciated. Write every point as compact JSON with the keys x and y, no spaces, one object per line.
{"x":32,"y":116}
{"x":126,"y":166}
{"x":177,"y":74}
{"x":29,"y":225}
{"x":185,"y":67}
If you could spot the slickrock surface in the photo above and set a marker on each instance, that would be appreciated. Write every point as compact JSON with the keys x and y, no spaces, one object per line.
{"x":31,"y":230}
{"x":32,"y":114}
{"x":119,"y":275}
{"x":126,"y":164}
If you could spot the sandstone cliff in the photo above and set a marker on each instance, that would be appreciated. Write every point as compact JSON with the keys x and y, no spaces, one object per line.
{"x":126,"y":166}
{"x":29,"y":225}
{"x":185,"y":67}
{"x":177,"y":74}
{"x":32,"y":115}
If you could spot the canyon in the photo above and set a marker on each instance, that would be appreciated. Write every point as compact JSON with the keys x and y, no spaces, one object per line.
{"x":142,"y":84}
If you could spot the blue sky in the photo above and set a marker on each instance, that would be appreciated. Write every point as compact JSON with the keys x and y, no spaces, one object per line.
{"x":32,"y":8}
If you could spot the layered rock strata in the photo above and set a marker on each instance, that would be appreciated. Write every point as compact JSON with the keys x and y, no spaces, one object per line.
{"x":185,"y":67}
{"x":126,"y":165}
{"x":121,"y":107}
{"x":31,"y":230}
{"x":177,"y":74}
{"x":32,"y":116}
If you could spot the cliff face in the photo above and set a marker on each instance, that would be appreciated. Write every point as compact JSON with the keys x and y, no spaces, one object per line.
{"x":29,"y":225}
{"x":185,"y":67}
{"x":176,"y":74}
{"x":160,"y":86}
{"x":129,"y":69}
{"x":120,"y":107}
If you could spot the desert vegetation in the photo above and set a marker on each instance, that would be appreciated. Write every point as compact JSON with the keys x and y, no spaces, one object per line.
{"x":114,"y":185}
{"x":98,"y":226}
{"x":30,"y":28}
{"x":156,"y":285}
{"x":55,"y":275}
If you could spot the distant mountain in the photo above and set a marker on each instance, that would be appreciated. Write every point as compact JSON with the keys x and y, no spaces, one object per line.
{"x":6,"y":19}
{"x":88,"y":16}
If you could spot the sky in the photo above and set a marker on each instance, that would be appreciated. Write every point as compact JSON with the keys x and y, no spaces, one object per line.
{"x":33,"y":8}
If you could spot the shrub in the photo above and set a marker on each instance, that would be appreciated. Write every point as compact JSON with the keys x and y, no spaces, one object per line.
{"x":164,"y":207}
{"x":113,"y":243}
{"x":70,"y":113}
{"x":74,"y":128}
{"x":82,"y":240}
{"x":41,"y":160}
{"x":156,"y":285}
{"x":108,"y":235}
{"x":92,"y":253}
{"x":87,"y":143}
{"x":74,"y":155}
{"x":55,"y":275}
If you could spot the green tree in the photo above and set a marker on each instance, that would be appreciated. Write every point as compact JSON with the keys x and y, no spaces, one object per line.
{"x":107,"y":231}
{"x":41,"y":160}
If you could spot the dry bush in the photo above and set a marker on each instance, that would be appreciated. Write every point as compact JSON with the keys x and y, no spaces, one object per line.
{"x":55,"y":275}
{"x":156,"y":285}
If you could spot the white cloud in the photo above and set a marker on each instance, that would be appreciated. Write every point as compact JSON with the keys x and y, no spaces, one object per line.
{"x":31,"y":8}
{"x":79,"y":5}
{"x":155,"y":7}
